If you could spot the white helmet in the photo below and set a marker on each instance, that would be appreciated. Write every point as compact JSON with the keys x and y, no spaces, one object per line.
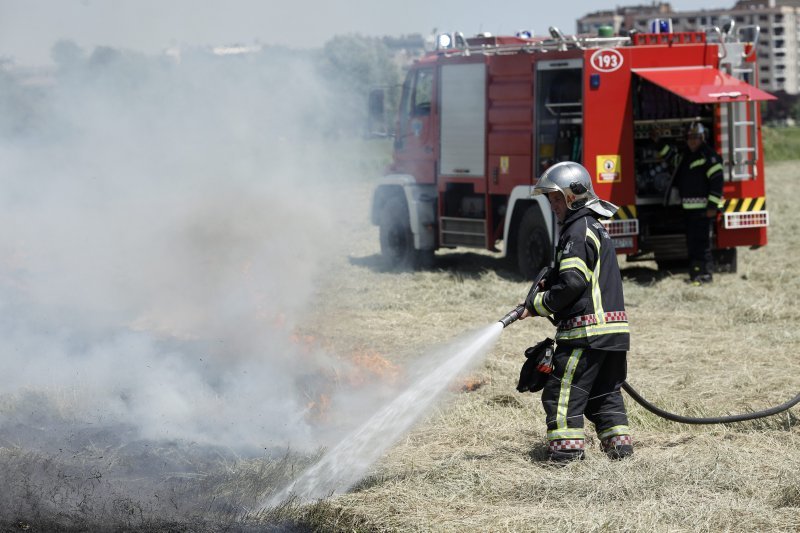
{"x":574,"y":182}
{"x":697,"y":129}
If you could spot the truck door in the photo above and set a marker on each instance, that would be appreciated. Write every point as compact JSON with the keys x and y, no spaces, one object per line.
{"x":462,"y":163}
{"x":559,"y":112}
{"x":463,"y":123}
{"x":414,"y":148}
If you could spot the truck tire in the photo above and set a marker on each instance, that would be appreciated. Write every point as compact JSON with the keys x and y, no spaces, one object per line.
{"x":534,"y":249}
{"x":397,"y":241}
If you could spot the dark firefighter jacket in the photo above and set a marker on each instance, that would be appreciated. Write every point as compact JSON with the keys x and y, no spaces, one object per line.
{"x":698,"y":176}
{"x":585,"y":290}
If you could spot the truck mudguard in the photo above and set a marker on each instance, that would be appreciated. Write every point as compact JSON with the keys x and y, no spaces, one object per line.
{"x":421,"y":202}
{"x":522,"y":197}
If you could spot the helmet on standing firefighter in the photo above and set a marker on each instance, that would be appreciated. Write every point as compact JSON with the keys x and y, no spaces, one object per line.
{"x":696,"y":129}
{"x":574,"y":182}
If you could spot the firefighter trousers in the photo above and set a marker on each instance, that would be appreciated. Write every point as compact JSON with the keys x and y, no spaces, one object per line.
{"x":585,"y":382}
{"x":698,"y":242}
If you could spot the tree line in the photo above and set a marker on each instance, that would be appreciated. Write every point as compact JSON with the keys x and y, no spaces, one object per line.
{"x":321,"y":92}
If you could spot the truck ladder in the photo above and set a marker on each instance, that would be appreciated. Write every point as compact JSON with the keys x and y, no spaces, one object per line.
{"x":739,"y":132}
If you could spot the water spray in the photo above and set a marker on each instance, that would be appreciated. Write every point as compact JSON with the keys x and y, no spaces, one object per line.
{"x":343,"y":465}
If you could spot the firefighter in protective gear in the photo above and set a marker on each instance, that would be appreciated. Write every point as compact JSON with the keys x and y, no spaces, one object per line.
{"x":584,"y":295}
{"x":698,"y":177}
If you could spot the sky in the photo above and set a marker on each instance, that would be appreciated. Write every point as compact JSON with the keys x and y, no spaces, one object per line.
{"x":29,"y":28}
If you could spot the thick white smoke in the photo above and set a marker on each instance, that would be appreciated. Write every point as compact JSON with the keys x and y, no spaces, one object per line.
{"x":163,"y":227}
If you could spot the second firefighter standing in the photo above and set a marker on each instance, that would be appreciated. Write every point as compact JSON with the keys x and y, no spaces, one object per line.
{"x":698,"y":177}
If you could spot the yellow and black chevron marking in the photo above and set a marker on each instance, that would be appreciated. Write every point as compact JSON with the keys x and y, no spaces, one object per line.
{"x":625,"y":212}
{"x":738,"y":205}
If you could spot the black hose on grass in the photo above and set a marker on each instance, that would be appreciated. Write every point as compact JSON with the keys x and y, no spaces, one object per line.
{"x":710,"y":420}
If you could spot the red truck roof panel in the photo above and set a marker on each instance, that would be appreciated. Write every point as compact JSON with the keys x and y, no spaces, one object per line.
{"x":702,"y":85}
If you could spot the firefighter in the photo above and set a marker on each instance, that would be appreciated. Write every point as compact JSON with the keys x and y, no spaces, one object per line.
{"x":584,"y":295}
{"x":698,"y":177}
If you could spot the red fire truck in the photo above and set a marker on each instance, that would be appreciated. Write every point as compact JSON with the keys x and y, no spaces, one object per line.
{"x":480,"y":118}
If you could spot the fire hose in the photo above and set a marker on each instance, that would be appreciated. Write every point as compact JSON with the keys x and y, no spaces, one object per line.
{"x":707,"y":420}
{"x":515,"y":314}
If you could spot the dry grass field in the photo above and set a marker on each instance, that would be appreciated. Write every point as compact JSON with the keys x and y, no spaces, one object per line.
{"x":476,"y":463}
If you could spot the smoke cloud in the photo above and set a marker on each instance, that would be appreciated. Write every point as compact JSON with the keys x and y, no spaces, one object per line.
{"x":164,"y":221}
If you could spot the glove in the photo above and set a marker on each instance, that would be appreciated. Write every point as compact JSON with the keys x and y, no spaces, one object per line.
{"x":537,"y":367}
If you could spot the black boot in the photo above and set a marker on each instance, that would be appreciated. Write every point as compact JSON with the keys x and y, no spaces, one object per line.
{"x":618,"y":446}
{"x":565,"y":450}
{"x":699,"y":274}
{"x":566,"y":457}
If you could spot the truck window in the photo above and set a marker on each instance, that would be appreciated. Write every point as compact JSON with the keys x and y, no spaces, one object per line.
{"x":423,"y":91}
{"x":405,"y":102}
{"x":417,"y":93}
{"x":559,"y":113}
{"x":415,"y":101}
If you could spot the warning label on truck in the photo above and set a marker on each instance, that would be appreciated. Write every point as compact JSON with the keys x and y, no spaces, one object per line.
{"x":608,"y":169}
{"x":504,"y":164}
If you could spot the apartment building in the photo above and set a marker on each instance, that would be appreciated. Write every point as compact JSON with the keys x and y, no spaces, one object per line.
{"x":778,"y":59}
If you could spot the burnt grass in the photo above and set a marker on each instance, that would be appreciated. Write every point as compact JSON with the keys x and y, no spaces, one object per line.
{"x":68,"y":477}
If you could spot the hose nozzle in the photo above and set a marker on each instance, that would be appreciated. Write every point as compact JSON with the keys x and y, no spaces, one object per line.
{"x":512,"y":315}
{"x":515,"y":313}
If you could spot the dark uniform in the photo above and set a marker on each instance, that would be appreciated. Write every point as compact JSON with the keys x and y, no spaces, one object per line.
{"x":698,"y":177}
{"x":585,"y":297}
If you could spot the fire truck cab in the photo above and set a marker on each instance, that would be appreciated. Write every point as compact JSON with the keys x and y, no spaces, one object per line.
{"x":480,"y":119}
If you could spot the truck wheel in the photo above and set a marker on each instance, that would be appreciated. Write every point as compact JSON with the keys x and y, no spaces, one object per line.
{"x":533,"y":245}
{"x":397,"y":241}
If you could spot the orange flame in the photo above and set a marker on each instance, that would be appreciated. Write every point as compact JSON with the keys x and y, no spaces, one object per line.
{"x":318,"y":408}
{"x":369,"y":366}
{"x":359,"y":368}
{"x":471,"y":384}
